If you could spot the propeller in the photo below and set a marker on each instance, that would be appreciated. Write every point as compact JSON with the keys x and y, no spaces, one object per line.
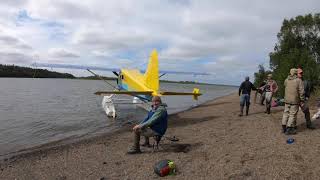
{"x":115,"y":73}
{"x":102,"y":79}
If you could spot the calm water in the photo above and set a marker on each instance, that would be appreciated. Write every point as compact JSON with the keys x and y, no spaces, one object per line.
{"x":38,"y":111}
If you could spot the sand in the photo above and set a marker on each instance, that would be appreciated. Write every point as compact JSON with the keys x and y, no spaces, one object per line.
{"x":214,"y":144}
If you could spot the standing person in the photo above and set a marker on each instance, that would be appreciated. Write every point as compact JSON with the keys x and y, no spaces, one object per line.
{"x":271,"y":88}
{"x":154,"y":125}
{"x":293,"y":97}
{"x":245,"y":89}
{"x":307,"y":92}
{"x":262,"y":92}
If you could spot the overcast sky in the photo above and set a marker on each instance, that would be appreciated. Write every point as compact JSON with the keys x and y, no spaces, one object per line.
{"x":225,"y":38}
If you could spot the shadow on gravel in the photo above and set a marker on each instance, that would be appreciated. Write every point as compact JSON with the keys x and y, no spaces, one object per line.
{"x":262,"y":112}
{"x":213,"y":104}
{"x":244,"y":174}
{"x":175,"y":147}
{"x":176,"y":121}
{"x":303,"y":126}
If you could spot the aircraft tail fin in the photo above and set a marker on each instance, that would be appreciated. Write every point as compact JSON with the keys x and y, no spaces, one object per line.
{"x":152,"y":73}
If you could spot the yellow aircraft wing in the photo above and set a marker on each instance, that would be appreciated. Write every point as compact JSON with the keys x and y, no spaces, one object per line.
{"x":195,"y":93}
{"x":179,"y":93}
{"x":132,"y":93}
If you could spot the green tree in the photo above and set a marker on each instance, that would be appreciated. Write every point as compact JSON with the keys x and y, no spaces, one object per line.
{"x":17,"y":71}
{"x":260,"y":76}
{"x":298,"y":46}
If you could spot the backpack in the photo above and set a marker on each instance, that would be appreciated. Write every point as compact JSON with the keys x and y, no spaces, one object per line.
{"x":164,"y":167}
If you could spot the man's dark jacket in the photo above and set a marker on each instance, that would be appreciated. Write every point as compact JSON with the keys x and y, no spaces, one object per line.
{"x":246,"y":87}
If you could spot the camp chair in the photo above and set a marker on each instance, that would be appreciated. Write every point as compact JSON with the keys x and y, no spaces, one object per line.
{"x":157,"y":139}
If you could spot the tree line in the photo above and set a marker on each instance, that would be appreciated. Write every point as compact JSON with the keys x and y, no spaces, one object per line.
{"x":298,"y":45}
{"x":18,"y":71}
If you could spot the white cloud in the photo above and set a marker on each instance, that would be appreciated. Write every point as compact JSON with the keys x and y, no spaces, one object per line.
{"x":14,"y":58}
{"x":227,"y":37}
{"x":62,"y":53}
{"x":101,"y":54}
{"x":102,"y":38}
{"x":7,"y":41}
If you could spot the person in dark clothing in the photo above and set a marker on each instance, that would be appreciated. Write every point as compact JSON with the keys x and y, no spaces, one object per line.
{"x":244,"y":93}
{"x":307,"y":91}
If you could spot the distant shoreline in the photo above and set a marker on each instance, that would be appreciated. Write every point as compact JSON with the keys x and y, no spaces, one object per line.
{"x":113,"y":79}
{"x":13,"y":71}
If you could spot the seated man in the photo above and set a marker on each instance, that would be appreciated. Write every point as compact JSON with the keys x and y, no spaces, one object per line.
{"x":154,"y":125}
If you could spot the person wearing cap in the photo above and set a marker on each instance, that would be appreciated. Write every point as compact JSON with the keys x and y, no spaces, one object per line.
{"x":293,"y":98}
{"x":245,"y":91}
{"x":307,"y":92}
{"x":270,"y":89}
{"x":262,"y":92}
{"x":155,"y":124}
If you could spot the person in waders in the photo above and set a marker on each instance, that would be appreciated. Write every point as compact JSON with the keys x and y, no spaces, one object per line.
{"x":155,"y":124}
{"x":271,"y":88}
{"x":244,"y":93}
{"x":307,"y":92}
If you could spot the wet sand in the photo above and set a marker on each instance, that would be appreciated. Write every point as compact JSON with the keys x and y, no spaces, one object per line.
{"x":214,"y":144}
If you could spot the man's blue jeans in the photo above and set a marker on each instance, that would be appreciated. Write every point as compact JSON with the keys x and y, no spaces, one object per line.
{"x":245,"y":100}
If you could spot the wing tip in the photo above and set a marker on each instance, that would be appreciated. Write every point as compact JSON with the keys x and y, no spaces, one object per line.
{"x":196,"y":93}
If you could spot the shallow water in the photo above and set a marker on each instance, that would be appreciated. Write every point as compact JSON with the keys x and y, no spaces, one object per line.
{"x":34,"y":112}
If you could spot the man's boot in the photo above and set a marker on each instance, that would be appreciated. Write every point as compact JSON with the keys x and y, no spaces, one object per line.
{"x":146,"y":142}
{"x":268,"y":109}
{"x":247,"y":110}
{"x":135,"y":149}
{"x":284,"y":128}
{"x":291,"y":131}
{"x":241,"y":111}
{"x":308,"y":120}
{"x":262,"y":99}
{"x":311,"y":126}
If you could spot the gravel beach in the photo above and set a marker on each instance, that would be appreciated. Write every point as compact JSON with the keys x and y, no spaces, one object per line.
{"x":214,"y":143}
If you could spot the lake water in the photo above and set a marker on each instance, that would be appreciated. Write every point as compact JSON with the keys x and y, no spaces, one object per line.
{"x":34,"y":112}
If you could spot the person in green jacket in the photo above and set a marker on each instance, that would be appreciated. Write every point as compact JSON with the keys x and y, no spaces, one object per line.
{"x":293,"y":97}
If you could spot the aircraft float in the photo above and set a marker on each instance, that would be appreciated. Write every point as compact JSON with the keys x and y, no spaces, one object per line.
{"x":141,"y":85}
